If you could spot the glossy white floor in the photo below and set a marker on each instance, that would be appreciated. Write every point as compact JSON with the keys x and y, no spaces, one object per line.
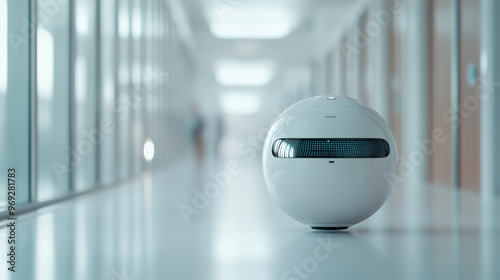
{"x":136,"y":231}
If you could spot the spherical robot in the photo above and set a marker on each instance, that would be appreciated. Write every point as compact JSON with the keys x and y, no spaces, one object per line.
{"x":330,"y":162}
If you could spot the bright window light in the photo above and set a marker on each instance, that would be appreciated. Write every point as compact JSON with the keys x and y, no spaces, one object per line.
{"x":3,"y":46}
{"x":123,"y":22}
{"x":252,"y":23}
{"x":244,"y":74}
{"x":81,"y":79}
{"x":82,"y":21}
{"x":239,"y":103}
{"x":149,"y":150}
{"x":45,"y":65}
{"x":109,"y":89}
{"x":136,"y":24}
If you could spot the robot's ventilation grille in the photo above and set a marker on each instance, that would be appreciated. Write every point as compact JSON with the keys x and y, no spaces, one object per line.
{"x":330,"y":148}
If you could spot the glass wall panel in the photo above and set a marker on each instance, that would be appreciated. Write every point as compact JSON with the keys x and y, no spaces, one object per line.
{"x":86,"y":135}
{"x":123,"y":105}
{"x":3,"y":48}
{"x":149,"y":73}
{"x":162,"y":93}
{"x":138,"y":90}
{"x":14,"y":103}
{"x":3,"y":97}
{"x":108,"y":148}
{"x":56,"y":160}
{"x":104,"y":88}
{"x":155,"y":72}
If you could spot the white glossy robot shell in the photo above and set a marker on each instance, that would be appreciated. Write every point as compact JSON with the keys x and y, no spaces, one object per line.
{"x":328,"y":161}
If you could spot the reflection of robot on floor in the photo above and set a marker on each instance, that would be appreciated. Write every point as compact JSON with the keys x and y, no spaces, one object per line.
{"x":329,"y":162}
{"x":330,"y":255}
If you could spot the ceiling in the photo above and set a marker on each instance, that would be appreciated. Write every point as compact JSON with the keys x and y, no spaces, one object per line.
{"x":252,"y":41}
{"x":310,"y":22}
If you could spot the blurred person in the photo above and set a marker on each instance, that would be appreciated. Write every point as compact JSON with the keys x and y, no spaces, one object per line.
{"x":197,"y":131}
{"x":218,"y":134}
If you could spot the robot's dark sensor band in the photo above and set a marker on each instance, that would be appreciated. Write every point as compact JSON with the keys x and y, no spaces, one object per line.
{"x":331,"y":148}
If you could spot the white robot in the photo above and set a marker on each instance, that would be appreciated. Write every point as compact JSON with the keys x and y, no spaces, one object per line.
{"x":330,"y":162}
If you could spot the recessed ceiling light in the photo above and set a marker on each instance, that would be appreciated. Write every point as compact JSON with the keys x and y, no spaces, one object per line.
{"x":255,"y":73}
{"x":253,"y":23}
{"x":240,"y":103}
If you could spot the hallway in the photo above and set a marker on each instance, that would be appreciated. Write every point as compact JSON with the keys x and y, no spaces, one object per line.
{"x":132,"y":139}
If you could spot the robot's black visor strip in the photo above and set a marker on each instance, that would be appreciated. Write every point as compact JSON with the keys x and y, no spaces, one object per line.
{"x":331,"y":148}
